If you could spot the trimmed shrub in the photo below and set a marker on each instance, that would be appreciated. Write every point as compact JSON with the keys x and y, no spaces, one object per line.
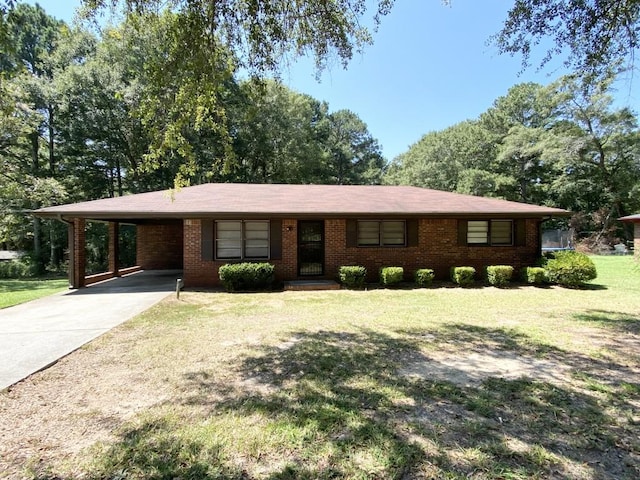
{"x":570,"y":269}
{"x":424,"y":277}
{"x":246,"y":276}
{"x":352,"y":276}
{"x":535,"y":275}
{"x":499,"y":275}
{"x":391,"y":275}
{"x":463,"y":276}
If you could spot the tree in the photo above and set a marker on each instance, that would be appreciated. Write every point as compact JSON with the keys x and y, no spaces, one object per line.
{"x":33,"y":37}
{"x":520,"y":123}
{"x":199,"y":37}
{"x":597,"y":33}
{"x":354,"y":155}
{"x":439,"y":159}
{"x":597,"y":154}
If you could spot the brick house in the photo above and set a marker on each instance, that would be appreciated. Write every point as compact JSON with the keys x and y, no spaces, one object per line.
{"x":635,"y":219}
{"x":308,"y":231}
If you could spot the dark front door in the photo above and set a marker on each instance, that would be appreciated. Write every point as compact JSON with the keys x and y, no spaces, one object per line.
{"x":310,"y":247}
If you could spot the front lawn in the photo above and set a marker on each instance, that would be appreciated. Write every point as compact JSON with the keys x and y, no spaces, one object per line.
{"x":15,"y":291}
{"x":484,"y":383}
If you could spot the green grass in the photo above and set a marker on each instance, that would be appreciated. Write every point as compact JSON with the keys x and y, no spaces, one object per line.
{"x":291,"y":385}
{"x":15,"y":291}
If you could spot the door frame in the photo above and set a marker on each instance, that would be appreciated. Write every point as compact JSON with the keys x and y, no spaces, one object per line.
{"x":300,"y":244}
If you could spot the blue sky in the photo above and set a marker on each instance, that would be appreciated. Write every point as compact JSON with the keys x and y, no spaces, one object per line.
{"x":430,"y":67}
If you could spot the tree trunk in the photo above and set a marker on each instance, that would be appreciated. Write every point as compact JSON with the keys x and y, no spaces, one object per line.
{"x":52,"y":158}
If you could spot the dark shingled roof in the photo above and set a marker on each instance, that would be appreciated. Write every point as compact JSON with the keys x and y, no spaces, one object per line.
{"x":235,"y":199}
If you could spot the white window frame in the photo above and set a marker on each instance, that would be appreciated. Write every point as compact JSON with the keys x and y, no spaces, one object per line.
{"x":380,"y":232}
{"x":242,"y":241}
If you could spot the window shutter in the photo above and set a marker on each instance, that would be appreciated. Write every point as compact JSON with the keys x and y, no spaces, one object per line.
{"x":352,"y":233}
{"x":412,"y":233}
{"x":275,"y":236}
{"x":462,"y":232}
{"x":520,"y":233}
{"x":206,"y":239}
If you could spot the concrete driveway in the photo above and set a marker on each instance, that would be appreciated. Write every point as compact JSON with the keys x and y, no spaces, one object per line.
{"x":36,"y":334}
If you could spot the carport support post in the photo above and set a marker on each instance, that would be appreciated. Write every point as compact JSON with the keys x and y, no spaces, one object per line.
{"x":114,"y":248}
{"x":77,"y":256}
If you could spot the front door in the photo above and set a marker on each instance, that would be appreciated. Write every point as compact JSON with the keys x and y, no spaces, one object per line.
{"x":310,"y":247}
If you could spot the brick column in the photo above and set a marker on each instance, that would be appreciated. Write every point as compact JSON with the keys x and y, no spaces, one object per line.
{"x":77,"y":260}
{"x":636,"y":239}
{"x":114,"y":248}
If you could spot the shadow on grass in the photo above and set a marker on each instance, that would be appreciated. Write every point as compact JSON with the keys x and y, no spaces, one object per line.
{"x":623,"y":322}
{"x":333,"y":405}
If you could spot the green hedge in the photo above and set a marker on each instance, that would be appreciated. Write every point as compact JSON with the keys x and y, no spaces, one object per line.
{"x":352,"y":276}
{"x":424,"y":277}
{"x":17,"y":268}
{"x":499,"y":275}
{"x":391,"y":275}
{"x":570,"y":269}
{"x":247,"y":276}
{"x":463,"y":276}
{"x":534,"y":275}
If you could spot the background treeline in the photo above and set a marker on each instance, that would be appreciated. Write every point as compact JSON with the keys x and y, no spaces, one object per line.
{"x":564,"y":145}
{"x":86,"y":116}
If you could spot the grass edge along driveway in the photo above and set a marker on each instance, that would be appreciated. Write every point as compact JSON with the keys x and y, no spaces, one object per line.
{"x":346,"y":385}
{"x":15,"y":291}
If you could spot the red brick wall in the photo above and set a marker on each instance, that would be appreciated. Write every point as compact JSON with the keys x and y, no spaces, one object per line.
{"x":159,"y":246}
{"x":203,"y":273}
{"x":437,"y":248}
{"x":78,"y":253}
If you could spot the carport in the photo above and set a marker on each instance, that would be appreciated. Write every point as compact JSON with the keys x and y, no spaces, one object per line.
{"x":159,"y":243}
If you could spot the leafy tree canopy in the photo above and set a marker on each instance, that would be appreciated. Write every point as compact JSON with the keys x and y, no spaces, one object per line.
{"x":261,"y":32}
{"x":594,"y":33}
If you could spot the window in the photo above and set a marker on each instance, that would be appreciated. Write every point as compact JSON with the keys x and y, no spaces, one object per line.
{"x":477,"y":232}
{"x":237,"y":239}
{"x":385,"y":233}
{"x":493,"y":232}
{"x":501,"y":232}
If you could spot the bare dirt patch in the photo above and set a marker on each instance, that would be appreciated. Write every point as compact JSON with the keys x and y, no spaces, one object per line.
{"x":470,"y":369}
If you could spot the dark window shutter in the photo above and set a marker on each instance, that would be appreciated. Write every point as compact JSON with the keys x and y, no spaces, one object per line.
{"x":412,"y":233}
{"x":462,"y":232}
{"x":520,"y":232}
{"x":275,"y":236}
{"x":352,"y":233}
{"x":206,"y":239}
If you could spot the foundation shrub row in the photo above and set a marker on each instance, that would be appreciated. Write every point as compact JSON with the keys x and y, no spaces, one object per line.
{"x":571,"y":269}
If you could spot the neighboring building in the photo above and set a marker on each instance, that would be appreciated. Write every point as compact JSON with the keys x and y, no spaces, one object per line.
{"x":635,"y":219}
{"x":309,"y":231}
{"x":10,"y":255}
